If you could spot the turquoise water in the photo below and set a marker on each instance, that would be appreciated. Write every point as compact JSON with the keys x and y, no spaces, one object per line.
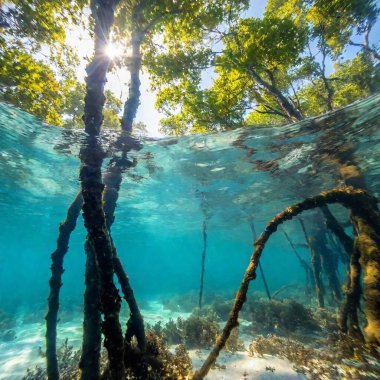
{"x":228,"y":179}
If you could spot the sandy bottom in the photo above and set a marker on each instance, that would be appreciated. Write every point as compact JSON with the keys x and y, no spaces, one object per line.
{"x":25,"y":351}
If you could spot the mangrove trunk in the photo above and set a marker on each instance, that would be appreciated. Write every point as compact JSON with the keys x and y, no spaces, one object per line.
{"x":91,"y":156}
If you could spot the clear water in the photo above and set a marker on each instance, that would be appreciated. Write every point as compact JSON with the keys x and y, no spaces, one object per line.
{"x":247,"y":174}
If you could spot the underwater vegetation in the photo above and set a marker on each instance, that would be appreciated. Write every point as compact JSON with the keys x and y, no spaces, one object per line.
{"x":198,"y":331}
{"x":341,"y":356}
{"x":158,"y":362}
{"x":280,"y":317}
{"x":68,"y":359}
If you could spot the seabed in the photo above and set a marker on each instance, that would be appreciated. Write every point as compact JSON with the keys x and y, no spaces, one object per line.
{"x":25,"y":351}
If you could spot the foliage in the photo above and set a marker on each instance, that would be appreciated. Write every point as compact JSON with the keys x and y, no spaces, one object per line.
{"x":271,"y":70}
{"x":256,"y":49}
{"x":259,"y":65}
{"x":260,"y":117}
{"x":353,"y":15}
{"x":38,"y":20}
{"x":267,"y":44}
{"x":352,"y":80}
{"x":36,"y":64}
{"x":164,"y":35}
{"x":357,"y":79}
{"x":30,"y":85}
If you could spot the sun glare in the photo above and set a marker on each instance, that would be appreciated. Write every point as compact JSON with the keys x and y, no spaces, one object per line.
{"x":113,"y":51}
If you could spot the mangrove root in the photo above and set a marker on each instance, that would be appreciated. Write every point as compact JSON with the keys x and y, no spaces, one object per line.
{"x":260,"y":266}
{"x":91,"y":156}
{"x":348,"y":317}
{"x":112,"y":182}
{"x":363,"y":206}
{"x":304,"y":265}
{"x":91,"y":345}
{"x":316,"y":264}
{"x":55,"y":283}
{"x":345,"y":240}
{"x":204,"y":230}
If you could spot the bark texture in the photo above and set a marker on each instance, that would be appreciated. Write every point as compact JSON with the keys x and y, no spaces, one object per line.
{"x":91,"y":156}
{"x":133,"y":101}
{"x":345,"y":240}
{"x":348,"y":317}
{"x":267,"y":291}
{"x":92,"y":337}
{"x":316,"y":263}
{"x":55,"y":283}
{"x":112,"y":181}
{"x":367,"y":243}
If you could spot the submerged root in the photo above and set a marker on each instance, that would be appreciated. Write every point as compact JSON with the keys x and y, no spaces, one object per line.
{"x":362,"y":206}
{"x":204,"y":232}
{"x":55,"y":283}
{"x":348,"y":316}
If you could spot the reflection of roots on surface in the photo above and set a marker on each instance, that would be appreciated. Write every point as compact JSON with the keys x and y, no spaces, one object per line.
{"x":366,"y":218}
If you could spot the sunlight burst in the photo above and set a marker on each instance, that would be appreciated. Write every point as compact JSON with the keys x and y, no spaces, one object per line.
{"x":113,"y":51}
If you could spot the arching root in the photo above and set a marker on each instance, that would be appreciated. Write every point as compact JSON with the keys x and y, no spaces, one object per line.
{"x":364,"y":207}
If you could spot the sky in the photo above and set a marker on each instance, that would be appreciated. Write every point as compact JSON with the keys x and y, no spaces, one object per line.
{"x":147,"y":113}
